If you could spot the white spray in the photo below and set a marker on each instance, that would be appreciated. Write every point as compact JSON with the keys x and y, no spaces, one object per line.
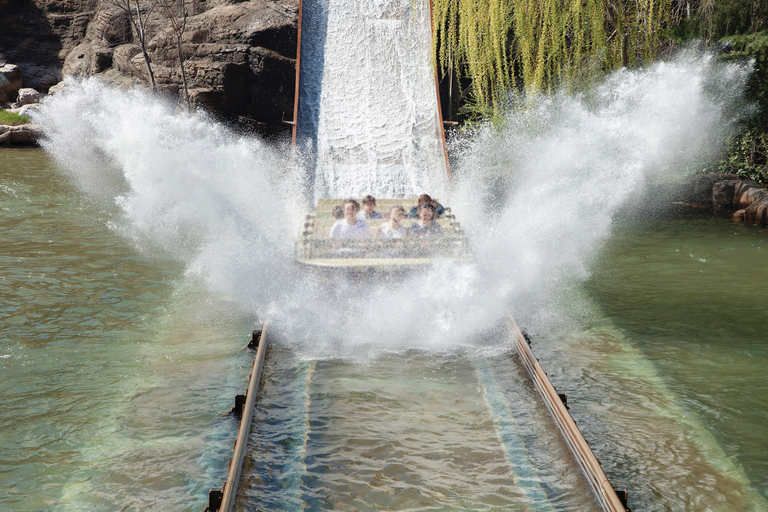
{"x":228,"y":206}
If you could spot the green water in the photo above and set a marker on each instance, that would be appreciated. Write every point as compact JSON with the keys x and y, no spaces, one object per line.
{"x":411,"y":431}
{"x":118,"y":368}
{"x":692,"y":296}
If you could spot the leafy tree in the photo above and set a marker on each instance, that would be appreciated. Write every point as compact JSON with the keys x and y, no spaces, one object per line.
{"x":535,"y":43}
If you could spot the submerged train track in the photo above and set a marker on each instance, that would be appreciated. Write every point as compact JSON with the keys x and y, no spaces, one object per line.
{"x":606,"y":497}
{"x":312,"y":46}
{"x":224,"y":499}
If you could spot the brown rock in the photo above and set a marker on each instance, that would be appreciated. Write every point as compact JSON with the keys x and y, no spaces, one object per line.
{"x":747,"y":192}
{"x":87,"y":59}
{"x":25,"y":134}
{"x":10,"y":82}
{"x":701,"y":187}
{"x":757,"y":212}
{"x":723,"y":194}
{"x":27,"y":96}
{"x":240,"y":55}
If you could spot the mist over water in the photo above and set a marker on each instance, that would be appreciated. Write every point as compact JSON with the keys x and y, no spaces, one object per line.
{"x":535,"y":193}
{"x":539,"y":190}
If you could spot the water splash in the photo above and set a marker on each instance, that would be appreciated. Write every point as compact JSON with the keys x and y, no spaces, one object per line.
{"x":180,"y":184}
{"x":227,"y":205}
{"x":539,"y":191}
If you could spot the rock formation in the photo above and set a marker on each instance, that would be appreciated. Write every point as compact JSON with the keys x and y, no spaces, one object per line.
{"x":239,"y":57}
{"x":748,"y":199}
{"x":745,"y":201}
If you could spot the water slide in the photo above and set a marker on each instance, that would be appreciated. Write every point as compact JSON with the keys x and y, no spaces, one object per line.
{"x":367,"y":117}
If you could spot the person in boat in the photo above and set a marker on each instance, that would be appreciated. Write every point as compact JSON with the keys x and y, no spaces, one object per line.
{"x":392,"y":228}
{"x":427,"y":225}
{"x":350,"y":226}
{"x":337,"y":212}
{"x":369,"y":209}
{"x":426,"y":199}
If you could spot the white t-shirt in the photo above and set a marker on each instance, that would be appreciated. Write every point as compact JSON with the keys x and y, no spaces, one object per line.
{"x":388,"y":231}
{"x":342,"y":229}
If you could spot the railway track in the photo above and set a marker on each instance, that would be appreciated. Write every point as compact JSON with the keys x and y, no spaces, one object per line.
{"x":527,"y":480}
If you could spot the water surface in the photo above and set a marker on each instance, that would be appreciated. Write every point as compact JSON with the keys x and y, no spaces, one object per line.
{"x":119,"y":366}
{"x":116,"y":367}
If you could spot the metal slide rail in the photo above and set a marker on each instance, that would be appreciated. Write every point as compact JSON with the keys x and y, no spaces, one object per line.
{"x":224,"y":500}
{"x":604,"y":492}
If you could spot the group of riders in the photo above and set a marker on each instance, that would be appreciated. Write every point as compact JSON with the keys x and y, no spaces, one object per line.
{"x":352,"y":219}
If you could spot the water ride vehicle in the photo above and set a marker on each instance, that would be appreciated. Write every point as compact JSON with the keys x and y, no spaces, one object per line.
{"x":315,"y":249}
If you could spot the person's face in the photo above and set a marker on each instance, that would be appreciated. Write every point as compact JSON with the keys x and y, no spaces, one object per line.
{"x":396,"y":216}
{"x":425,"y":214}
{"x":368,"y":208}
{"x":350,"y":211}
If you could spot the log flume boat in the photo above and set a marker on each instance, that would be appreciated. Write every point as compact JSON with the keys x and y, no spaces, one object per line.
{"x":316,"y":250}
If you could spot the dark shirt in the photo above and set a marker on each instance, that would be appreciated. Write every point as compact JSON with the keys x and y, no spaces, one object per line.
{"x":418,"y":230}
{"x":413,"y":213}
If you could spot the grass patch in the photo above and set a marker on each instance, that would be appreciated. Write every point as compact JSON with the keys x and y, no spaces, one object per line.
{"x":12,"y":119}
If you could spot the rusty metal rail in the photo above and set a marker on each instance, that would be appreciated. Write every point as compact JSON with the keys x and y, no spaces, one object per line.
{"x":224,"y":500}
{"x":605,"y":494}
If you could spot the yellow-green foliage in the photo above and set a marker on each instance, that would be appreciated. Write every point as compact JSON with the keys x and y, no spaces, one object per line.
{"x":536,"y":42}
{"x":9,"y":118}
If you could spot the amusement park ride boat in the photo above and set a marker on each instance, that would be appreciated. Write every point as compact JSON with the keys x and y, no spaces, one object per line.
{"x":315,"y":248}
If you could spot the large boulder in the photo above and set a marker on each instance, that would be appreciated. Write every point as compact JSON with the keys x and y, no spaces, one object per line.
{"x":746,"y":201}
{"x":37,"y":35}
{"x":27,"y":96}
{"x":757,"y":211}
{"x":239,"y":60}
{"x":239,"y":55}
{"x":22,"y":135}
{"x":10,"y":82}
{"x":723,"y":194}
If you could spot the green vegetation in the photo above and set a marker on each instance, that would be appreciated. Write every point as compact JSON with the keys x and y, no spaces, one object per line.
{"x":488,"y":47}
{"x":11,"y":118}
{"x":535,"y":44}
{"x":747,"y":155}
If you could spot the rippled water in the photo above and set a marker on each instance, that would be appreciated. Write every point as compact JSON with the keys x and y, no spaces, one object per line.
{"x":662,"y":353}
{"x":690,"y":295}
{"x":119,"y":366}
{"x":409,"y":431}
{"x":116,"y":367}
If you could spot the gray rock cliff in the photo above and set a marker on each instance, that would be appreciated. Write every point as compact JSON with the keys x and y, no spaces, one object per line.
{"x":239,"y":57}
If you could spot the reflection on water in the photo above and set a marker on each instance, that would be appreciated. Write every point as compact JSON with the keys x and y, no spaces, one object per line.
{"x":409,"y":431}
{"x":690,"y":296}
{"x":115,"y":367}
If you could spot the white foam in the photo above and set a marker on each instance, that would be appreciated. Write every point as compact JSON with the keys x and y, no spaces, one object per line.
{"x":226,"y":205}
{"x":369,"y":84}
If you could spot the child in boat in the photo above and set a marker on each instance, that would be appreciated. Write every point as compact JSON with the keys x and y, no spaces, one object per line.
{"x":337,"y":212}
{"x":393,"y":228}
{"x":350,"y":226}
{"x":369,"y":209}
{"x":425,"y":199}
{"x":426,"y":225}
